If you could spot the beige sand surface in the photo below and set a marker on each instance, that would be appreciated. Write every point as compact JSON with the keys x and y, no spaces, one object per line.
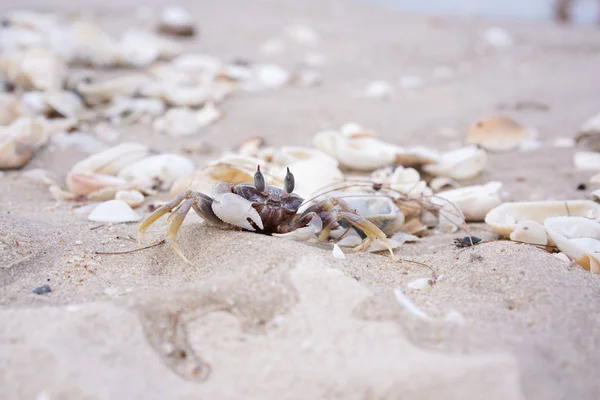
{"x":276,"y":319}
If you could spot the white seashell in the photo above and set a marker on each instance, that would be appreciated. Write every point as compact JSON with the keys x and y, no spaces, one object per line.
{"x":187,"y":96}
{"x":504,"y":218}
{"x":562,"y":257}
{"x":497,"y":134}
{"x":378,"y":90}
{"x":464,"y":163}
{"x":266,"y":76}
{"x":410,"y":82}
{"x":311,"y":175}
{"x":302,"y":34}
{"x":419,"y":284}
{"x":236,"y":210}
{"x":498,"y":37}
{"x":530,"y":232}
{"x":442,"y":183}
{"x":34,"y":69}
{"x":92,"y":45}
{"x":587,"y":160}
{"x":207,"y":115}
{"x":177,"y":122}
{"x":133,"y":198}
{"x":251,"y":146}
{"x":406,"y":181}
{"x":102,"y":92}
{"x":475,"y":202}
{"x":20,"y":140}
{"x":578,"y":238}
{"x":113,"y":211}
{"x":287,"y":155}
{"x":177,"y":21}
{"x":129,"y":110}
{"x":338,"y":253}
{"x":364,"y":153}
{"x":305,"y":233}
{"x":97,"y":171}
{"x":157,"y":172}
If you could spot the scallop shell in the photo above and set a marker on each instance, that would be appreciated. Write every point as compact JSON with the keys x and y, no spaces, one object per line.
{"x":34,"y":69}
{"x":504,"y":218}
{"x":530,"y":232}
{"x":475,"y":202}
{"x":497,"y":134}
{"x":463,"y":163}
{"x":157,"y":172}
{"x":98,"y":171}
{"x":578,"y":238}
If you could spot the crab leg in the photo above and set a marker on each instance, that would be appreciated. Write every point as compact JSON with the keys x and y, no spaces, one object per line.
{"x":175,"y":220}
{"x":152,"y":218}
{"x":369,"y":228}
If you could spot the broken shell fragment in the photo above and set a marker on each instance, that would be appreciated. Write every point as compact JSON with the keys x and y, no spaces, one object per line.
{"x":157,"y":172}
{"x":475,"y":202}
{"x":114,"y":211}
{"x":578,"y":238}
{"x":463,"y":163}
{"x":176,"y":21}
{"x":530,"y":232}
{"x":133,"y":198}
{"x":497,"y":134}
{"x":504,"y":218}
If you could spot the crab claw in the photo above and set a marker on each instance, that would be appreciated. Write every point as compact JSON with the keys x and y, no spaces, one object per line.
{"x":236,"y":210}
{"x":305,"y":233}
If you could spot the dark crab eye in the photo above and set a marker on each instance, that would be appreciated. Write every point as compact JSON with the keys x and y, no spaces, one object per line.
{"x":289,"y":182}
{"x":259,"y":180}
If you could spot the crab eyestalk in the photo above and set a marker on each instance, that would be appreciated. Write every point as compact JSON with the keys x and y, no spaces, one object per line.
{"x":259,"y":180}
{"x":289,"y":182}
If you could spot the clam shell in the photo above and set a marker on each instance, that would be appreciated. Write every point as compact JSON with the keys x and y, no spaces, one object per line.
{"x":530,"y":232}
{"x":157,"y":172}
{"x":497,"y":134}
{"x":578,"y":238}
{"x":504,"y":218}
{"x":114,"y":211}
{"x":463,"y":163}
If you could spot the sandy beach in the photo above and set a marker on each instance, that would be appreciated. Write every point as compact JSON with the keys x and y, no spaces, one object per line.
{"x":259,"y":317}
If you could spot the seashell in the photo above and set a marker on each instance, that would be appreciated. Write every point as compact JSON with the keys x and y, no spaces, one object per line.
{"x":358,"y":152}
{"x":463,"y":163}
{"x":31,"y":20}
{"x":530,"y":232}
{"x":587,"y":160}
{"x":302,"y":34}
{"x":416,"y":156}
{"x":15,"y":39}
{"x":406,"y":181}
{"x":589,"y":134}
{"x":497,"y":134}
{"x":181,"y":96}
{"x":288,"y":155}
{"x":35,"y":68}
{"x":596,"y":195}
{"x":474,"y":202}
{"x":157,"y":172}
{"x":183,"y":121}
{"x":92,"y":45}
{"x":176,"y":21}
{"x":578,"y":238}
{"x":139,"y":48}
{"x":504,"y":218}
{"x":9,"y":108}
{"x":251,"y":146}
{"x":312,"y":175}
{"x":102,"y":92}
{"x":305,"y":233}
{"x":62,"y":103}
{"x":440,"y":183}
{"x":97,"y":171}
{"x":378,"y":90}
{"x":20,"y":140}
{"x":129,"y":110}
{"x":338,"y":253}
{"x":380,"y":210}
{"x":562,"y":257}
{"x":266,"y":76}
{"x":114,"y":211}
{"x":132,"y":198}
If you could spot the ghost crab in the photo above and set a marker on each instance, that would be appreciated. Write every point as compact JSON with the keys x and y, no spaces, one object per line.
{"x":263,"y":209}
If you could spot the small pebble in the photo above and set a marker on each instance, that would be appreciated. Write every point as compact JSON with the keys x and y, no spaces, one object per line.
{"x":42,"y":289}
{"x":582,"y":186}
{"x":78,"y":242}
